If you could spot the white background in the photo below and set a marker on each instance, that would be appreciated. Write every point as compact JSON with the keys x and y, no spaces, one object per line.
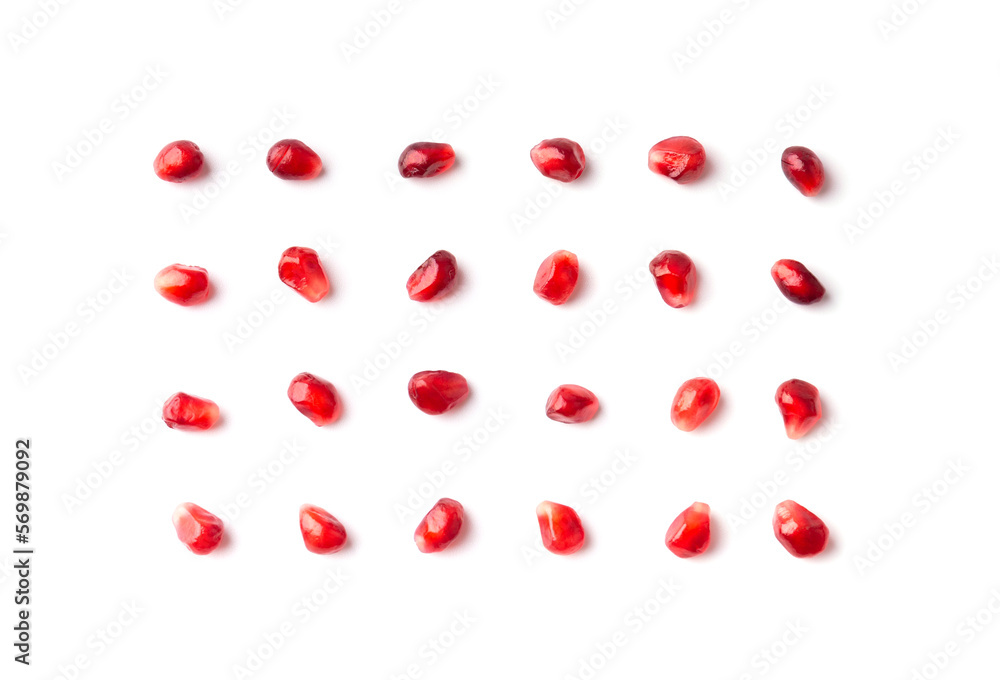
{"x":604,"y":68}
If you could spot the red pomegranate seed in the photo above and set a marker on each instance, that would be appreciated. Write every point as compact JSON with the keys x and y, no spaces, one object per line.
{"x":440,"y":527}
{"x":315,"y":398}
{"x":675,"y":276}
{"x":562,"y":531}
{"x":799,"y":404}
{"x":571,"y":404}
{"x":301,"y":270}
{"x":426,"y":159}
{"x":182,"y":284}
{"x":179,"y":161}
{"x":184,"y":412}
{"x":694,"y":402}
{"x":436,"y":392}
{"x":557,"y":276}
{"x":321,"y":531}
{"x":559,"y":158}
{"x":691,"y":532}
{"x":197,"y":528}
{"x":796,"y":282}
{"x":434,"y":278}
{"x":803,"y":169}
{"x":291,"y":159}
{"x":682,"y":159}
{"x":802,"y":533}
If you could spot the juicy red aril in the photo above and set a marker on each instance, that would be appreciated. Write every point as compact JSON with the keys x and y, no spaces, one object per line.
{"x":796,"y":282}
{"x":315,"y":398}
{"x":197,"y":528}
{"x":802,"y":533}
{"x":799,"y":404}
{"x":321,"y":531}
{"x":426,"y":159}
{"x":301,"y":270}
{"x":571,"y":404}
{"x":291,"y":159}
{"x":803,"y":169}
{"x":694,"y":402}
{"x":436,"y":392}
{"x":179,"y":161}
{"x":682,"y":159}
{"x":184,"y":412}
{"x":182,"y":284}
{"x":691,"y":532}
{"x":562,"y":531}
{"x":440,"y":527}
{"x":557,"y":276}
{"x":675,"y":276}
{"x":432,"y":279}
{"x":559,"y":158}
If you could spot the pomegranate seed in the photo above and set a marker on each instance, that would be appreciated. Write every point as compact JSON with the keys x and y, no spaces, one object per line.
{"x":434,"y":278}
{"x":691,"y":532}
{"x":694,"y":402}
{"x":796,"y":282}
{"x":561,"y":159}
{"x":182,"y":284}
{"x":675,"y":276}
{"x":557,"y":276}
{"x":682,"y":159}
{"x":291,"y":159}
{"x":571,"y":404}
{"x":184,"y":412}
{"x":179,"y":161}
{"x":436,"y":392}
{"x":562,"y":531}
{"x":803,"y":169}
{"x":315,"y":398}
{"x":426,"y":159}
{"x":321,"y":531}
{"x":197,"y":528}
{"x":799,"y":404}
{"x":439,"y":527}
{"x":802,"y":533}
{"x":301,"y":270}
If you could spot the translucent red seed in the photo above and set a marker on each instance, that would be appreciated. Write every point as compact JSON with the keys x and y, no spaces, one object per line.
{"x":426,"y":159}
{"x":557,"y":276}
{"x":694,"y":402}
{"x":434,"y":278}
{"x":559,"y":158}
{"x":803,"y":169}
{"x":561,"y":528}
{"x":682,"y":159}
{"x":675,"y":277}
{"x":437,"y":392}
{"x":796,"y":282}
{"x":801,"y":532}
{"x":179,"y":162}
{"x":185,"y":412}
{"x":197,"y":528}
{"x":571,"y":404}
{"x":440,"y":527}
{"x":799,"y":404}
{"x":301,"y":270}
{"x":291,"y":159}
{"x":691,"y":532}
{"x":182,"y":284}
{"x":315,"y":398}
{"x":322,"y":533}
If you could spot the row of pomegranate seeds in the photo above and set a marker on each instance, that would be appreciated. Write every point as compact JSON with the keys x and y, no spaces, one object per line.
{"x":682,"y":159}
{"x":801,"y":532}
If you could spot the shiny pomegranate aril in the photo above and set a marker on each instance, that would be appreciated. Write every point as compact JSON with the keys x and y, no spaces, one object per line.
{"x":691,"y":532}
{"x":434,"y":278}
{"x":571,"y":404}
{"x":179,"y":161}
{"x":315,"y":398}
{"x":694,"y":402}
{"x":185,"y":412}
{"x":802,"y":533}
{"x":675,"y":276}
{"x":557,"y":276}
{"x":562,"y":531}
{"x":440,"y":527}
{"x":301,"y":270}
{"x":803,"y":169}
{"x":799,"y":404}
{"x":321,"y":531}
{"x":291,"y":159}
{"x":561,"y":159}
{"x":197,"y":528}
{"x":426,"y":159}
{"x":796,"y":282}
{"x":436,"y":392}
{"x":182,"y":284}
{"x":682,"y":159}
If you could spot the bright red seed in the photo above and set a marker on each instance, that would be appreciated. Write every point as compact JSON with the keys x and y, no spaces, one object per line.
{"x":799,"y":404}
{"x":694,"y":402}
{"x":562,"y":531}
{"x":184,"y":412}
{"x":434,"y":278}
{"x":803,"y":169}
{"x":675,"y":276}
{"x":301,"y":270}
{"x":426,"y":159}
{"x":315,"y":398}
{"x":559,"y":158}
{"x":182,"y":284}
{"x":796,"y":282}
{"x":178,"y":161}
{"x":291,"y":159}
{"x":321,"y":531}
{"x":682,"y":159}
{"x":436,"y":392}
{"x":691,"y":532}
{"x":557,"y":276}
{"x":571,"y":404}
{"x":440,"y":527}
{"x":802,"y":533}
{"x":197,"y":528}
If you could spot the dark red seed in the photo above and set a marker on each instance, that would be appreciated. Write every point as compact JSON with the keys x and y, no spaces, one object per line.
{"x":182,"y":284}
{"x":557,"y":276}
{"x":675,"y":277}
{"x":690,"y":533}
{"x":436,"y":392}
{"x":426,"y":159}
{"x":291,"y":159}
{"x":322,"y":532}
{"x":799,"y":404}
{"x":197,"y":528}
{"x":682,"y":159}
{"x":315,"y":398}
{"x":571,"y":404}
{"x":440,"y":527}
{"x":179,"y":161}
{"x":301,"y":270}
{"x":561,"y":159}
{"x":802,"y":533}
{"x":434,"y":278}
{"x":796,"y":282}
{"x":803,"y":169}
